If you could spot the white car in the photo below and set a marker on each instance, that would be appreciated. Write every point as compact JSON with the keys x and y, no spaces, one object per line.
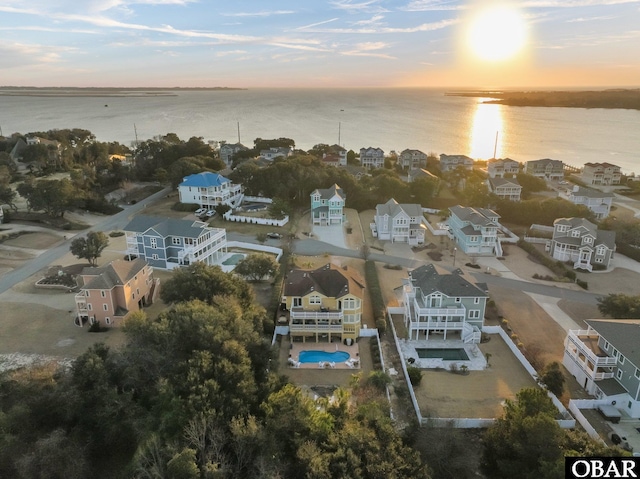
{"x":200,"y":211}
{"x":211,"y":213}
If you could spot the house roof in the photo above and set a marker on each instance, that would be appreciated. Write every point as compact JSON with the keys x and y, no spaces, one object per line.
{"x":607,"y":238}
{"x":544,"y":162}
{"x":463,"y":158}
{"x":329,"y":280}
{"x":421,"y":172}
{"x":337,"y":149}
{"x":601,"y":165}
{"x":204,"y":180}
{"x":431,"y":279}
{"x":475,"y":216}
{"x":167,"y":226}
{"x":116,"y":273}
{"x":501,"y":161}
{"x":623,"y":334}
{"x":392,"y":208}
{"x":590,"y":193}
{"x":409,"y":151}
{"x":498,"y":182}
{"x":328,"y":193}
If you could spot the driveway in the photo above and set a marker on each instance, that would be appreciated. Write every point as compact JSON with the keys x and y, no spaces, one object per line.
{"x":333,"y":234}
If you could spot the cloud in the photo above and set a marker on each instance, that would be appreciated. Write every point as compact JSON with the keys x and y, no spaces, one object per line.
{"x":297,"y":47}
{"x":316,"y":24}
{"x":433,"y":6}
{"x":371,"y":6}
{"x":258,"y":14}
{"x":590,"y":19}
{"x":20,"y":55}
{"x":424,"y":27}
{"x":369,"y":49}
{"x":375,"y":20}
{"x":231,"y":52}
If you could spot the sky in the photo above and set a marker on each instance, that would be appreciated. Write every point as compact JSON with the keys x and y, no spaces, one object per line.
{"x":319,"y":43}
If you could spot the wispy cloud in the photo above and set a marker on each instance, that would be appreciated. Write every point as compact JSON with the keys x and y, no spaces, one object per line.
{"x":590,"y":19}
{"x":369,"y":49}
{"x":371,"y":6}
{"x":258,"y":14}
{"x":375,"y":20}
{"x":424,"y":27}
{"x":573,"y":3}
{"x":433,"y":6}
{"x":20,"y":54}
{"x":316,"y":24}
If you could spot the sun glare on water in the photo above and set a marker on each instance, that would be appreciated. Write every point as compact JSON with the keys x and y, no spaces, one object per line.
{"x":497,"y":33}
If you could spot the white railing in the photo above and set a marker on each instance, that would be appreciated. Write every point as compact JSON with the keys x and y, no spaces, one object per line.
{"x":257,"y":221}
{"x":431,"y":325}
{"x":422,"y":311}
{"x":258,"y":199}
{"x":575,"y":337}
{"x":316,"y":315}
{"x":315,"y":327}
{"x":581,"y":265}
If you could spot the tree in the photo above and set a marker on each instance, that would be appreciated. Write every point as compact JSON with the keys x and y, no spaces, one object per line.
{"x":257,"y":266}
{"x":91,"y":247}
{"x":7,"y":196}
{"x":423,"y":190}
{"x":53,"y":197}
{"x":204,"y":282}
{"x":620,"y":306}
{"x":352,"y":158}
{"x":553,"y":378}
{"x":279,"y":208}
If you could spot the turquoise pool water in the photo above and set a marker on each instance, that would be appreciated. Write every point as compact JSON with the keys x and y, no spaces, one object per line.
{"x":448,"y":354}
{"x":233,"y":259}
{"x":317,"y":356}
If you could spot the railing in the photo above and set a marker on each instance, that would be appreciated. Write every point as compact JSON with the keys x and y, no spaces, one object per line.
{"x":316,"y":314}
{"x":575,"y":337}
{"x":431,"y":325}
{"x":315,"y":327}
{"x":422,"y":311}
{"x":581,"y":265}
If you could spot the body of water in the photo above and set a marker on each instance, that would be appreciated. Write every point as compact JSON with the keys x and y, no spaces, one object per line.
{"x":392,"y":119}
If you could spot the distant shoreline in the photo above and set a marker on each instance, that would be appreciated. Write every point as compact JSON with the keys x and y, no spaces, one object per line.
{"x":72,"y":92}
{"x":628,"y":99}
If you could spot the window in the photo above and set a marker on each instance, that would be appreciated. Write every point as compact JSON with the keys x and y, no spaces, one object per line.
{"x":474,"y":314}
{"x":155,"y":256}
{"x":154,"y":242}
{"x":614,"y":353}
{"x":315,"y":299}
{"x":175,"y":240}
{"x":457,"y":300}
{"x":138,"y":291}
{"x":619,"y":374}
{"x":476,"y":300}
{"x":637,"y":373}
{"x":297,"y":302}
{"x":598,"y":260}
{"x":90,"y":307}
{"x":107,"y":320}
{"x":621,"y":358}
{"x":103,"y":294}
{"x":606,"y":345}
{"x":105,"y":307}
{"x":349,"y":303}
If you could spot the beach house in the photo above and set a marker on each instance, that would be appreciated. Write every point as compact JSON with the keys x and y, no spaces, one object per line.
{"x":323,"y":304}
{"x":227,"y":151}
{"x":451,"y":162}
{"x":168,"y":243}
{"x":412,"y":159}
{"x":442,"y":305}
{"x":327,"y":206}
{"x":109,"y":294}
{"x":399,"y":223}
{"x":209,"y":190}
{"x":579,"y":240}
{"x":475,"y":230}
{"x":545,"y":168}
{"x":372,"y":157}
{"x":501,"y":168}
{"x":601,"y":174}
{"x":597,"y":201}
{"x":505,"y":188}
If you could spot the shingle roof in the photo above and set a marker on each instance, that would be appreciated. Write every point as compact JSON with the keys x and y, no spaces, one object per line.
{"x":497,"y":182}
{"x":167,"y":226}
{"x":623,"y":334}
{"x":116,"y":273}
{"x":329,"y":193}
{"x":607,"y":238}
{"x":431,"y":279}
{"x":392,"y":208}
{"x":476,"y":216}
{"x":590,"y":193}
{"x":204,"y":180}
{"x":328,"y":280}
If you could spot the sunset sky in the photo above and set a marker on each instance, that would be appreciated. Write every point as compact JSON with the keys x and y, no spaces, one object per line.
{"x":313,"y":43}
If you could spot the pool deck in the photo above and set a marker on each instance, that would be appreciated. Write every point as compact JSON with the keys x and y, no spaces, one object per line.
{"x":297,"y":347}
{"x":476,"y":362}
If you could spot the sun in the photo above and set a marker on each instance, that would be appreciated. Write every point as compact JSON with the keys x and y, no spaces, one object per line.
{"x":497,"y":33}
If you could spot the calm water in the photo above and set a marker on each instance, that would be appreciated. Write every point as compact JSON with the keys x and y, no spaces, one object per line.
{"x":389,"y":119}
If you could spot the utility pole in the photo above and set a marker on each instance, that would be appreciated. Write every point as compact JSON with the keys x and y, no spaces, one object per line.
{"x":238,"y":132}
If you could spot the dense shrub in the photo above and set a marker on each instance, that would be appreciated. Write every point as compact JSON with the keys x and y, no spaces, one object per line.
{"x":190,"y":207}
{"x":373,"y":284}
{"x":582,"y":284}
{"x":557,"y":267}
{"x":100,"y":205}
{"x":381,"y":324}
{"x":115,"y":234}
{"x":415,"y":375}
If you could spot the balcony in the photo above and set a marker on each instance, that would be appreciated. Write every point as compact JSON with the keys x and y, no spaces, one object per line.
{"x":586,"y":343}
{"x":582,"y":265}
{"x":453,"y":311}
{"x":81,"y":303}
{"x":321,"y":328}
{"x":437,"y":325}
{"x":300,"y":314}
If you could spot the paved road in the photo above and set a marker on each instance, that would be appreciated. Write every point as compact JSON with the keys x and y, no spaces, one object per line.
{"x":117,"y":221}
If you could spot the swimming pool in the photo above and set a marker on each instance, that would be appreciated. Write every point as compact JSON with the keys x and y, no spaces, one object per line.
{"x":317,"y":356}
{"x":233,"y":259}
{"x":448,"y":354}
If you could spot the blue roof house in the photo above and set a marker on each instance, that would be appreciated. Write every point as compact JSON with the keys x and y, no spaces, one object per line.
{"x":168,"y":243}
{"x":209,"y":190}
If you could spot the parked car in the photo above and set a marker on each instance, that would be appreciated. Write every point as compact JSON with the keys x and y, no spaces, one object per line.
{"x":200,"y":211}
{"x":274,"y":235}
{"x":211,"y":213}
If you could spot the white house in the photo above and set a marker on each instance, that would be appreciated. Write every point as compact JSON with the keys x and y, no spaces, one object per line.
{"x":327,"y":206}
{"x":601,"y":174}
{"x":605,"y":360}
{"x":275,"y":152}
{"x":499,"y":168}
{"x":505,"y":188}
{"x":399,"y":223}
{"x":596,"y":201}
{"x":209,"y":190}
{"x":545,"y":168}
{"x":451,"y":162}
{"x":372,"y":157}
{"x":412,"y":159}
{"x":580,"y":241}
{"x":442,"y":305}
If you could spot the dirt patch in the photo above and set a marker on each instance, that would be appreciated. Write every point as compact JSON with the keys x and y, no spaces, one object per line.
{"x":478,"y":394}
{"x":33,"y":240}
{"x":434,"y":255}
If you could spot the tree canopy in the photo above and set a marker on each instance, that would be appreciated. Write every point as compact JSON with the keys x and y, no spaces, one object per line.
{"x":620,"y":306}
{"x":90,"y":247}
{"x":257,"y":266}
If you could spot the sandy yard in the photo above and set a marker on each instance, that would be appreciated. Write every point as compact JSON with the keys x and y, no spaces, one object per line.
{"x":479,"y":394}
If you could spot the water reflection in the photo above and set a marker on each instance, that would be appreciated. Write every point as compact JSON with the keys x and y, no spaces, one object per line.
{"x":487,"y":120}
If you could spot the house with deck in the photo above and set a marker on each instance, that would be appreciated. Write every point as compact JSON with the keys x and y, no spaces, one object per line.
{"x":605,"y":360}
{"x":275,"y":152}
{"x":475,"y":230}
{"x":168,"y":243}
{"x":209,"y":190}
{"x":324,"y":304}
{"x":228,"y":150}
{"x":372,"y":157}
{"x":327,"y":206}
{"x":110,"y":293}
{"x":597,"y":201}
{"x":502,"y":168}
{"x":451,"y":162}
{"x":546,"y":168}
{"x":443,"y":305}
{"x":601,"y":174}
{"x":335,"y":156}
{"x":412,"y":159}
{"x":505,"y":188}
{"x":399,"y":223}
{"x":578,"y":240}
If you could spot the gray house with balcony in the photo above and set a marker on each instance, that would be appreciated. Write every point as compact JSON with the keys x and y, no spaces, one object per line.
{"x":605,"y":360}
{"x":580,"y":241}
{"x":443,"y":305}
{"x":167,"y":243}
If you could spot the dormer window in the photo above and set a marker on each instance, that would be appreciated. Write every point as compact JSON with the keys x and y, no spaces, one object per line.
{"x":315,"y":299}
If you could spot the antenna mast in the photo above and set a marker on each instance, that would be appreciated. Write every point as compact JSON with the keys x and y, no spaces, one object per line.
{"x":238,"y":132}
{"x":135,"y":130}
{"x":495,"y":146}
